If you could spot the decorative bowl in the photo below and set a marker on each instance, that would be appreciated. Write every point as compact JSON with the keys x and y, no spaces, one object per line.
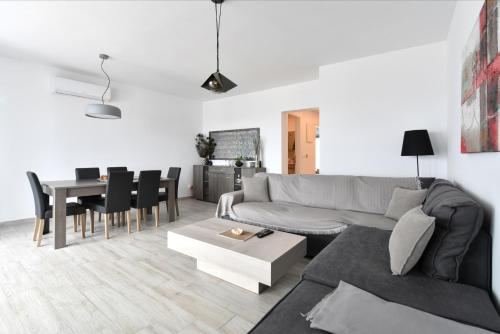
{"x":237,"y":231}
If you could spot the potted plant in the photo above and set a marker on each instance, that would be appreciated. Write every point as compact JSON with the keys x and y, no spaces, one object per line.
{"x":238,"y":162}
{"x":205,"y":146}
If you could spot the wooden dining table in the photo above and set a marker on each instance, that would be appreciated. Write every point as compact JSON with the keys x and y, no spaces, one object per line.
{"x":61,"y":190}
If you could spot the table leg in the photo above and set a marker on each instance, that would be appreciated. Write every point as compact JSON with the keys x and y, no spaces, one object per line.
{"x":171,"y":201}
{"x":59,"y":215}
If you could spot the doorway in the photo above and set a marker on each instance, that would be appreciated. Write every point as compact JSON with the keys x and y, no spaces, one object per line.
{"x":300,"y":137}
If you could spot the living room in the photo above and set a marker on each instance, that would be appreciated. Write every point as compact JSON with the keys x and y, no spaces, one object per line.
{"x":374,"y":71}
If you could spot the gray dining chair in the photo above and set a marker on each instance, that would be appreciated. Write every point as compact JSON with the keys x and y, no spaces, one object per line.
{"x":173,"y":173}
{"x":89,"y":173}
{"x":147,"y":196}
{"x":118,"y":197}
{"x":43,"y":210}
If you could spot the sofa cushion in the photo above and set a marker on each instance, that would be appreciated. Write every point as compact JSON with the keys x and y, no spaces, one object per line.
{"x":458,"y":220}
{"x":403,"y":200}
{"x":360,"y":256}
{"x":301,"y":219}
{"x":255,"y":189}
{"x":285,"y":317}
{"x":408,"y":240}
{"x":340,"y":192}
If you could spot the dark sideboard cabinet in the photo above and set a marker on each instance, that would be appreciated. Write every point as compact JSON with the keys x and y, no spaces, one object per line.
{"x":210,"y":182}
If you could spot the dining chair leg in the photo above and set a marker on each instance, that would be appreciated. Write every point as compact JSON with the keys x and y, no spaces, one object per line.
{"x":145,"y":214}
{"x":40,"y":232}
{"x":91,"y":212}
{"x":128,"y":221}
{"x":138,"y":218}
{"x":156,"y":210}
{"x":177,"y":206}
{"x":35,"y":230}
{"x":99,"y":217}
{"x":112,"y":219}
{"x":75,"y":223}
{"x":118,"y":218}
{"x":83,"y":223}
{"x":106,"y":227}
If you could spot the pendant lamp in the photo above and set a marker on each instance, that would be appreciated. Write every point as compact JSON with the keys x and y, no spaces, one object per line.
{"x":102,"y":110}
{"x":217,"y":82}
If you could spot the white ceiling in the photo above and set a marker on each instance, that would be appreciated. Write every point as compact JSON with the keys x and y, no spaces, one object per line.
{"x":170,"y":45}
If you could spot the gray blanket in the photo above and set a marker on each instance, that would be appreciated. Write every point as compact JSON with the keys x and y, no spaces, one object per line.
{"x":350,"y":310}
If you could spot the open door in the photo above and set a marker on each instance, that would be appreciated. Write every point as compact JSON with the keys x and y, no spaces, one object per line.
{"x":300,"y":135}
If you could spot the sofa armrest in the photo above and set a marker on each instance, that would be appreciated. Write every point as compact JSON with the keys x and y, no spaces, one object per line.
{"x":226,"y":202}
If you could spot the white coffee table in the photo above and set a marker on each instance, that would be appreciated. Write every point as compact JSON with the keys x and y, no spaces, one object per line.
{"x":252,"y":264}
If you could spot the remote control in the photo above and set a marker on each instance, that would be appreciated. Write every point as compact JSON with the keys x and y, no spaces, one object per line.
{"x":263,"y":233}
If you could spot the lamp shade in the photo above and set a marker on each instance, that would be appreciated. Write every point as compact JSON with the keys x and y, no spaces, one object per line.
{"x":106,"y":111}
{"x":416,"y":142}
{"x":218,"y":83}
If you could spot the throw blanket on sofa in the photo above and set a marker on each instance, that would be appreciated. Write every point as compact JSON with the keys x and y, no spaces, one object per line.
{"x":351,"y":310}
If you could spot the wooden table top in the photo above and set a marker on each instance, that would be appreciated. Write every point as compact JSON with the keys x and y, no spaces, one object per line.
{"x":68,"y":184}
{"x":266,"y":249}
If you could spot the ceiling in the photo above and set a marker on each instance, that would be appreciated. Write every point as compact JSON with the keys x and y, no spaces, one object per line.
{"x":170,"y":45}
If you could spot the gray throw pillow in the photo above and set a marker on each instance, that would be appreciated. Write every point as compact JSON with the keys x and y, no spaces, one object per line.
{"x":409,"y":239}
{"x":255,"y":189}
{"x":404,"y":200}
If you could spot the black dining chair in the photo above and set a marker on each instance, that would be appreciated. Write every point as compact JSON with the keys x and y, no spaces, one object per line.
{"x":147,"y":196}
{"x":43,"y":210}
{"x":173,"y":173}
{"x":91,"y":173}
{"x":117,"y":200}
{"x":109,"y":170}
{"x":116,"y":169}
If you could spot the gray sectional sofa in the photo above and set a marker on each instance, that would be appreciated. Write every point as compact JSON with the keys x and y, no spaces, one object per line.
{"x":318,"y":206}
{"x":359,"y":255}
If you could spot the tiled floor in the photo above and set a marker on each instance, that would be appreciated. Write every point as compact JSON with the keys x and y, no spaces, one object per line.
{"x":127,"y":284}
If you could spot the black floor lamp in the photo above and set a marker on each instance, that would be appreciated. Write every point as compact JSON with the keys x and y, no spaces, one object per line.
{"x":415,"y":143}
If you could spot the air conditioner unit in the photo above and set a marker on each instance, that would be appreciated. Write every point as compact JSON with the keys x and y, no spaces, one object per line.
{"x":77,"y":88}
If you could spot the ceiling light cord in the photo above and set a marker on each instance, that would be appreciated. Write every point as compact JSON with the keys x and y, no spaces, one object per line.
{"x":218,"y":13}
{"x":109,"y":80}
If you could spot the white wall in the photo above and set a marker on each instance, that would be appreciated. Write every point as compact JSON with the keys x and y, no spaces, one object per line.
{"x":50,"y":135}
{"x":264,"y":110}
{"x":368,"y":103}
{"x":478,"y":174}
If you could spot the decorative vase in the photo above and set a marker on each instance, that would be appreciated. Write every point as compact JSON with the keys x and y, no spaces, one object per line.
{"x":238,"y":163}
{"x":204,"y":161}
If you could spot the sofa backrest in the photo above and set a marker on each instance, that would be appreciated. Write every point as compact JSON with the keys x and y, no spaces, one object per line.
{"x":341,"y":192}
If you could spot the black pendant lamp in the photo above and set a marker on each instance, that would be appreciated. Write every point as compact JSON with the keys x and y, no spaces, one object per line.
{"x":217,"y":82}
{"x":102,"y":110}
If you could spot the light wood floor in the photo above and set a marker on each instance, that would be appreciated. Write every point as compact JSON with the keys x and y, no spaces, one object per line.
{"x":127,"y":284}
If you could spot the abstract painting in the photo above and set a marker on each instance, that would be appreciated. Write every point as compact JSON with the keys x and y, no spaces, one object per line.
{"x":480,"y":83}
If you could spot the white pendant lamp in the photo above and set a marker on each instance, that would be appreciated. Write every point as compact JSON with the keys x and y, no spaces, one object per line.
{"x":102,"y":110}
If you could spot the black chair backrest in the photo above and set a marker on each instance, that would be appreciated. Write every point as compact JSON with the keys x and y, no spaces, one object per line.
{"x":175,"y":173}
{"x":91,"y":173}
{"x":147,"y":189}
{"x":117,"y":169}
{"x":118,"y":191}
{"x":41,"y":199}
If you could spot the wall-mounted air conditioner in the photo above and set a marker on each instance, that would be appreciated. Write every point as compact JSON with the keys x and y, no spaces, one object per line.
{"x":77,"y":88}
